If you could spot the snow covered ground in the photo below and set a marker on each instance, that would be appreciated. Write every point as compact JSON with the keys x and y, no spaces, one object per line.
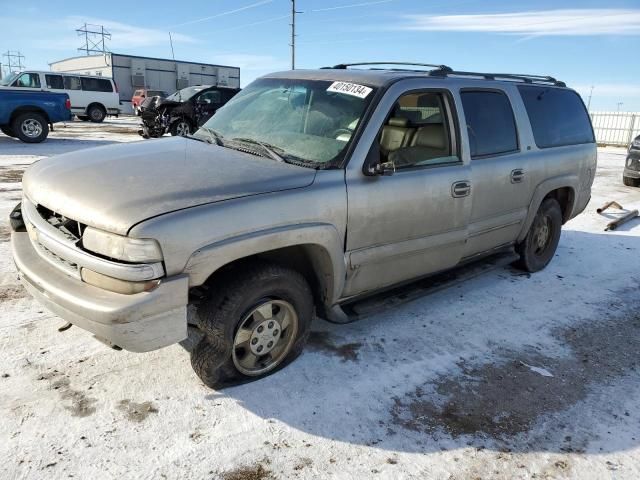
{"x":505,"y":376}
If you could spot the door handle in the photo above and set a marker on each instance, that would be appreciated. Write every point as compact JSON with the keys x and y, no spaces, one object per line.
{"x":461,"y":189}
{"x":517,"y":175}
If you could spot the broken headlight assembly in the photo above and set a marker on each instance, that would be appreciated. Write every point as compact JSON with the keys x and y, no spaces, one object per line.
{"x":127,"y":249}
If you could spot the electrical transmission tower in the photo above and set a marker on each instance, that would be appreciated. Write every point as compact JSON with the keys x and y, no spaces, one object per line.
{"x":14,"y":62}
{"x":94,"y":38}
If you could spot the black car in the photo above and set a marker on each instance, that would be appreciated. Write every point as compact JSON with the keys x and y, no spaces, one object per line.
{"x":631,"y":175}
{"x":184,"y":111}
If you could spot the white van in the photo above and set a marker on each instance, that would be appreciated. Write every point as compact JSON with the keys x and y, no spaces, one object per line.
{"x":92,"y":98}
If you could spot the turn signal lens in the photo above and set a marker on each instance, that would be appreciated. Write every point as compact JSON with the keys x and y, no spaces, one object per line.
{"x":116,"y":285}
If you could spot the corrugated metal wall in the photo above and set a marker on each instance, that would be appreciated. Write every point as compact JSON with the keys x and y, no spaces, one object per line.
{"x":615,"y":128}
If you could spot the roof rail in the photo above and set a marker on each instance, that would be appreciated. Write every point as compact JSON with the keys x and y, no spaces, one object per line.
{"x":344,"y":66}
{"x":525,"y":78}
{"x":445,"y":71}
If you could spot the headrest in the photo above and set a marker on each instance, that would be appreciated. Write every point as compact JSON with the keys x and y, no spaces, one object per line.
{"x":431,"y":135}
{"x":398,"y":122}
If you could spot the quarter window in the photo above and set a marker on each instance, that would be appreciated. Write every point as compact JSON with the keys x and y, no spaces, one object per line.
{"x":71,"y":83}
{"x":55,"y":82}
{"x":96,"y":84}
{"x":490,"y":123}
{"x":28,"y":80}
{"x":558,"y":117}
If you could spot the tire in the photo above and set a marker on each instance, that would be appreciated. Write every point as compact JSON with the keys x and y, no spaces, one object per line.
{"x":136,"y":111}
{"x":540,"y":244}
{"x":180,"y":128}
{"x":236,"y":322}
{"x":631,"y":182}
{"x":7,"y":130}
{"x":30,"y":127}
{"x":82,"y":118}
{"x":96,"y":113}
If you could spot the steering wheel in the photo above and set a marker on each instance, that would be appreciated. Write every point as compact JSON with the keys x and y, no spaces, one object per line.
{"x":341,"y":131}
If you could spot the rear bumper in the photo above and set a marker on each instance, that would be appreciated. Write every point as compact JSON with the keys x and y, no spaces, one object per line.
{"x":138,"y":323}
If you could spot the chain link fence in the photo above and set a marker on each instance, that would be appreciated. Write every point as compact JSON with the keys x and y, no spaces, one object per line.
{"x":615,"y":128}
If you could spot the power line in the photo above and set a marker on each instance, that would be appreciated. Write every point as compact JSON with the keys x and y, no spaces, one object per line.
{"x":222,"y":14}
{"x":13,"y":62}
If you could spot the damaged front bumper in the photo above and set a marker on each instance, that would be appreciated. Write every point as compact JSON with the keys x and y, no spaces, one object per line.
{"x":139,"y":323}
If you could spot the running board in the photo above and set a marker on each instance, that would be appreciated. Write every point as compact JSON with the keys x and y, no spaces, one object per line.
{"x":388,"y":299}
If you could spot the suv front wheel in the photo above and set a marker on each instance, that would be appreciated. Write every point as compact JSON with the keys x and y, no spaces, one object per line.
{"x":539,"y":246}
{"x":255,"y":322}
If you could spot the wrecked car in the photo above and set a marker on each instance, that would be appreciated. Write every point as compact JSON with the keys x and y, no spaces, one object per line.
{"x":182,"y":112}
{"x":310,"y":191}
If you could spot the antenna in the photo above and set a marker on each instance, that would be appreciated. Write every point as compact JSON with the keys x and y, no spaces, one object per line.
{"x":14,"y":61}
{"x":94,"y":38}
{"x":293,"y":34}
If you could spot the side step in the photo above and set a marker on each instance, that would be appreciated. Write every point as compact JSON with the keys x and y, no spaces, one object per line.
{"x":376,"y":303}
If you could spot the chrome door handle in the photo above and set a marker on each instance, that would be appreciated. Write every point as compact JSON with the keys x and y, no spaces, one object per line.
{"x":517,"y":175}
{"x":461,"y":189}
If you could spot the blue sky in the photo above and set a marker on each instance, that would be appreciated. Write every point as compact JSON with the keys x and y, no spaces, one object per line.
{"x":585,"y":43}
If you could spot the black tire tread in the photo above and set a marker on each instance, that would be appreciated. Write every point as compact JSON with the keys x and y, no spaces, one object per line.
{"x":15,"y":126}
{"x":211,"y":358}
{"x":526,"y":261}
{"x":631,"y":182}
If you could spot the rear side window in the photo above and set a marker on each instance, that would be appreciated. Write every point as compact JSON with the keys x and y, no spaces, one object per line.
{"x":71,"y":83}
{"x":54,"y":81}
{"x":490,"y":123}
{"x":558,"y":117}
{"x":96,"y":84}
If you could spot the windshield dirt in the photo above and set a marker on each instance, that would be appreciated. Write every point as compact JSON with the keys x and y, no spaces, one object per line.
{"x":305,"y":121}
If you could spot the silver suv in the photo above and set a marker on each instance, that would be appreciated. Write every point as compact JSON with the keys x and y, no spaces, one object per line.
{"x":308,"y":191}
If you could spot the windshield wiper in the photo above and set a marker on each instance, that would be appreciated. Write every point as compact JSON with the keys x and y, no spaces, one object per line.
{"x":265,"y":146}
{"x":213,"y":136}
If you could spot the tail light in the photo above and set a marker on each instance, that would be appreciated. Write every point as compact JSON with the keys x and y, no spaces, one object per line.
{"x":67,"y":104}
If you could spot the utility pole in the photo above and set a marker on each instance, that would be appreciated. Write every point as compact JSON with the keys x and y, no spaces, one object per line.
{"x":94,"y":38}
{"x":589,"y":101}
{"x":293,"y":34}
{"x":619,"y":105}
{"x":171,"y":42}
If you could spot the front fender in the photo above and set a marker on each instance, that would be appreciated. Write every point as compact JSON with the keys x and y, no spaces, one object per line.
{"x":542,"y":190}
{"x":209,"y":259}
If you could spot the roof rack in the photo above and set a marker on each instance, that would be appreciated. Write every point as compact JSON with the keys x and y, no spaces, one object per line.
{"x":445,"y":71}
{"x":525,"y":78}
{"x":344,"y":66}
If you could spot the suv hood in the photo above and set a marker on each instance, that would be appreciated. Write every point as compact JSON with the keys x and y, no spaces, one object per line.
{"x":118,"y":186}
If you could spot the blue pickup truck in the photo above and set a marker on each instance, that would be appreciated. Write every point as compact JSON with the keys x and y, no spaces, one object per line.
{"x":28,"y":114}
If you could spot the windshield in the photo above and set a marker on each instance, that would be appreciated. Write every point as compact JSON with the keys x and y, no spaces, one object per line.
{"x":308,"y":121}
{"x":7,"y":80}
{"x":185,"y":93}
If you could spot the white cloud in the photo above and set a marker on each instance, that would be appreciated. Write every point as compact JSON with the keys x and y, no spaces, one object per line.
{"x":533,"y":23}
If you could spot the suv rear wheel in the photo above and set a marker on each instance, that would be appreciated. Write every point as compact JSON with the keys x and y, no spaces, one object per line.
{"x":254,"y":323}
{"x":30,"y":127}
{"x":539,"y":246}
{"x":96,"y":113}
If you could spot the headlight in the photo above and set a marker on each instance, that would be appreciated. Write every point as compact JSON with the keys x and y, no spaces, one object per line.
{"x":135,"y":250}
{"x":635,"y":143}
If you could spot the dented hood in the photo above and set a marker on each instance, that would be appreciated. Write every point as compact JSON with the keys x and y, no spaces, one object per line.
{"x":118,"y":186}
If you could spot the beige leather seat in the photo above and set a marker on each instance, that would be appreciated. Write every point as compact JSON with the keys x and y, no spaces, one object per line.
{"x":429,"y":142}
{"x":395,"y":134}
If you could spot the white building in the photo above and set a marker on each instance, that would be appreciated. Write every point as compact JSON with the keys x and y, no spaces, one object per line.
{"x":131,"y":72}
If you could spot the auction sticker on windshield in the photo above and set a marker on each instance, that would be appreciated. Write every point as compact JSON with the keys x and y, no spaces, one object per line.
{"x":354,"y":89}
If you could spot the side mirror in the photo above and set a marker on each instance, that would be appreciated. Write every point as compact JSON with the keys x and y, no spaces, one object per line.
{"x":373,"y":166}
